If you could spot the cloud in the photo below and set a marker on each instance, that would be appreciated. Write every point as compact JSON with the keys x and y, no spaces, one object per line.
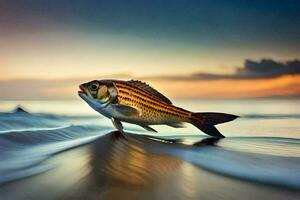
{"x":268,"y":68}
{"x":265,"y":68}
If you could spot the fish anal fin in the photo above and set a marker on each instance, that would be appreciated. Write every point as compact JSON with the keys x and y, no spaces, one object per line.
{"x":176,"y":125}
{"x":144,"y":86}
{"x":148,"y":128}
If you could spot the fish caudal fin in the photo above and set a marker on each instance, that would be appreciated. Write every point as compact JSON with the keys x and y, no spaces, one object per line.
{"x":206,"y":122}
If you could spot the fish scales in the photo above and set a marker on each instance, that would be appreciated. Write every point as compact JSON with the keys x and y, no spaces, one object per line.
{"x":151,"y":107}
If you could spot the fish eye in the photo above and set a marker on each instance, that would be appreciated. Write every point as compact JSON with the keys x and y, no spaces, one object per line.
{"x":94,"y":87}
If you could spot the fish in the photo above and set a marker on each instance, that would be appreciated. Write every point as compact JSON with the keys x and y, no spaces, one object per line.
{"x":138,"y":103}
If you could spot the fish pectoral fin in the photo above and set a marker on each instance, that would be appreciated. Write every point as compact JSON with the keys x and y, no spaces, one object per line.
{"x":127,"y":110}
{"x":148,"y":128}
{"x":176,"y":125}
{"x":117,"y":124}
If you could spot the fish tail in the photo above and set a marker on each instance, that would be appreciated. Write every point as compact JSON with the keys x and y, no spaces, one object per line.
{"x":206,"y":122}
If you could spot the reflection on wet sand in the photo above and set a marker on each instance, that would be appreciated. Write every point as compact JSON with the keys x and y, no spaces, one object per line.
{"x":131,"y":168}
{"x":134,"y":167}
{"x":128,"y":163}
{"x":124,"y":167}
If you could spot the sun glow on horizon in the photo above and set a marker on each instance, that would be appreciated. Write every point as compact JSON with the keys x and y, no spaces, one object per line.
{"x":281,"y":86}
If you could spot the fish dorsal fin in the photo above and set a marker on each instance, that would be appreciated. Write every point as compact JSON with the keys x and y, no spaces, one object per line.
{"x":149,"y":89}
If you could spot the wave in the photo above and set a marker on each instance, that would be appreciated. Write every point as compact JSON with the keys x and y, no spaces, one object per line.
{"x":25,"y":146}
{"x":27,"y":140}
{"x":261,"y":161}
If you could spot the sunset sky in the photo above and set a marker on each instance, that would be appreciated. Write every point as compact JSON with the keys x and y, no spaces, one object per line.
{"x":186,"y":49}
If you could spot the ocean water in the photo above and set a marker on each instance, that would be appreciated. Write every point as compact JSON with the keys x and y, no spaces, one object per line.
{"x":74,"y":151}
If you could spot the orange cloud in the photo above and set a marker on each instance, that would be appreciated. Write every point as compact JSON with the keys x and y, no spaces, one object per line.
{"x":282,"y":86}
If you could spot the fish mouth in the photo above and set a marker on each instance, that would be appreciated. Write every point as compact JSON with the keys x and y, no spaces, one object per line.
{"x":81,"y":90}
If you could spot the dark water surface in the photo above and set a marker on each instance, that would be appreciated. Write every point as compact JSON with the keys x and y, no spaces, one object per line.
{"x":55,"y":156}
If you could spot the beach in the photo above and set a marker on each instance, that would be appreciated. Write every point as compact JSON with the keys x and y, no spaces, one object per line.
{"x":51,"y":155}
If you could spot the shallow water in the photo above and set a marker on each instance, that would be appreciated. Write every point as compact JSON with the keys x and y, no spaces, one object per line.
{"x":63,"y":153}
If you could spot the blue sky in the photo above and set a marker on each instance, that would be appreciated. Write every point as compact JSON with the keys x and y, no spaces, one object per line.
{"x":216,"y":22}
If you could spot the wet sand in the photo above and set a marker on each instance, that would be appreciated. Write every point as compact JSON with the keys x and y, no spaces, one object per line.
{"x":135,"y":167}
